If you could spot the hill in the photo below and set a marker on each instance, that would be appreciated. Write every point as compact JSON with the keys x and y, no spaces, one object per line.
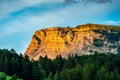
{"x":81,"y":40}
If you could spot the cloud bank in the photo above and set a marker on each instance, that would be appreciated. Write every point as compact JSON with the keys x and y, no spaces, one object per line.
{"x":19,"y":19}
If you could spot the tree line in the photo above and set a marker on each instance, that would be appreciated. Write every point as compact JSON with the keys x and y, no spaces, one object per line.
{"x":99,"y":66}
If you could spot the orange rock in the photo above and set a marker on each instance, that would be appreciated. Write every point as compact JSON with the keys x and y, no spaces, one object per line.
{"x":64,"y":41}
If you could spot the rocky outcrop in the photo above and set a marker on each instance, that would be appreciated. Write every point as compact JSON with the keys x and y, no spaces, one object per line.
{"x":70,"y":41}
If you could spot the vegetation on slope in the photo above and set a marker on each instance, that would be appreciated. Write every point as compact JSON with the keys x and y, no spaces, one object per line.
{"x":3,"y":76}
{"x":110,"y":32}
{"x":98,"y":42}
{"x":87,"y":67}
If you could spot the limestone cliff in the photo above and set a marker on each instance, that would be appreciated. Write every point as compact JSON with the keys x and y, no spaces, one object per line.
{"x":83,"y":39}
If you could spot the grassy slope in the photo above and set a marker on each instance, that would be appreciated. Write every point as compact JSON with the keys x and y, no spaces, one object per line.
{"x":7,"y":77}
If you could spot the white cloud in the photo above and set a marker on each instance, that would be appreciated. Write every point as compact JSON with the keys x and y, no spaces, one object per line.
{"x":71,"y":15}
{"x":112,"y":22}
{"x":7,"y":7}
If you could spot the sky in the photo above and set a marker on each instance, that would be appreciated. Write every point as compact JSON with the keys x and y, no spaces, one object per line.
{"x":19,"y":19}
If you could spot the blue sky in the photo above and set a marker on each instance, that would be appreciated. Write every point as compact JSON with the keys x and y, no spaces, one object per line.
{"x":19,"y":19}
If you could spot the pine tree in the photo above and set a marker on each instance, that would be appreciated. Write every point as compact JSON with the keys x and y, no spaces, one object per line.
{"x":65,"y":75}
{"x":50,"y":76}
{"x":27,"y":70}
{"x":89,"y":71}
{"x":6,"y":65}
{"x":57,"y":76}
{"x":101,"y":73}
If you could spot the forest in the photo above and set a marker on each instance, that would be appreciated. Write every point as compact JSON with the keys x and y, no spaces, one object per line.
{"x":98,"y":66}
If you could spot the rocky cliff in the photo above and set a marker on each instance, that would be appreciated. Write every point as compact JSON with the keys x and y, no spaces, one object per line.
{"x":81,"y":40}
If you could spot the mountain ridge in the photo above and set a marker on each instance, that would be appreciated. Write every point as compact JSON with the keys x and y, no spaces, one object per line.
{"x":82,"y":40}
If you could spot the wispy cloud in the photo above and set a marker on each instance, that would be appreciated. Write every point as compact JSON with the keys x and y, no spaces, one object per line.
{"x":7,"y":7}
{"x":47,"y":18}
{"x":21,"y":18}
{"x":11,"y":6}
{"x":86,"y":1}
{"x":113,"y":22}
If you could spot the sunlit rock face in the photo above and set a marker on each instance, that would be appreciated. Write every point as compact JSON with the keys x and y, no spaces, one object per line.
{"x":70,"y":41}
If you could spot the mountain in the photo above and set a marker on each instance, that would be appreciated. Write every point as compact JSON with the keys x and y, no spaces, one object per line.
{"x":82,"y":40}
